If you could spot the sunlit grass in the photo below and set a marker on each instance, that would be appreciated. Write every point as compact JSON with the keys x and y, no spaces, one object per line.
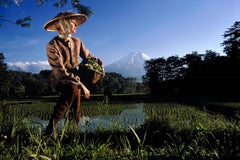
{"x":169,"y":131}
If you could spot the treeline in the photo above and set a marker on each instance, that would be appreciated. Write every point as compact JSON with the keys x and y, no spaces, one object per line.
{"x":194,"y":74}
{"x":19,"y":84}
{"x":199,"y":74}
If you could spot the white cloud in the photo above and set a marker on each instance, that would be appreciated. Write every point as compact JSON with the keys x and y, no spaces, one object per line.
{"x":34,"y":67}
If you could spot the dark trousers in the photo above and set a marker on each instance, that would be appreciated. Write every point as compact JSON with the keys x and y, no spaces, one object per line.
{"x":70,"y":98}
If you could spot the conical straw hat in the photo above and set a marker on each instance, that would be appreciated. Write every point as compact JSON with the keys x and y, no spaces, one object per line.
{"x":51,"y":24}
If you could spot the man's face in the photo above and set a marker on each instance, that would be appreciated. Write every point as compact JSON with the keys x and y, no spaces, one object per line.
{"x":67,"y":26}
{"x":73,"y":26}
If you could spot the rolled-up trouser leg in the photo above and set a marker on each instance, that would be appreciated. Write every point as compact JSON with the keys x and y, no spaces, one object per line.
{"x":50,"y":127}
{"x":76,"y":104}
{"x":69,"y":92}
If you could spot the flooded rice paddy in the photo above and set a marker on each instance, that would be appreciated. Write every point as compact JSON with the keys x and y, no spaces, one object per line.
{"x":129,"y":117}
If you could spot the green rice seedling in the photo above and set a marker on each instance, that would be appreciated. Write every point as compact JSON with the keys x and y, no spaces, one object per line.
{"x":186,"y":117}
{"x":203,"y":136}
{"x":93,"y":149}
{"x":140,"y":143}
{"x":96,"y":109}
{"x":17,"y":131}
{"x":177,"y":148}
{"x":141,"y":152}
{"x":37,"y":109}
{"x":38,"y":148}
{"x":125,"y":147}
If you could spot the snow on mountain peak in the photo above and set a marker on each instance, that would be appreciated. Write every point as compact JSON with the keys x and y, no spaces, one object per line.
{"x":134,"y":57}
{"x":132,"y":65}
{"x":146,"y":57}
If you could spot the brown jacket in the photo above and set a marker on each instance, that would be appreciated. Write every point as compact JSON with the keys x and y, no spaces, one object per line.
{"x":62,"y":58}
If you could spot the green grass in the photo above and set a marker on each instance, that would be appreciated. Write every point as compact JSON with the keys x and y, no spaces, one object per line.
{"x":187,"y":117}
{"x":170,"y":131}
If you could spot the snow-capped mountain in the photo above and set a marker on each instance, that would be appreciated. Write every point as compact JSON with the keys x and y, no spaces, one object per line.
{"x":131,"y":65}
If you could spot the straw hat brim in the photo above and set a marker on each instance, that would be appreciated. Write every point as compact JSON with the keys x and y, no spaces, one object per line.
{"x":51,"y":24}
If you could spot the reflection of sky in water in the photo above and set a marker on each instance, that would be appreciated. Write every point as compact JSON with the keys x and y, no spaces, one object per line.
{"x":133,"y":117}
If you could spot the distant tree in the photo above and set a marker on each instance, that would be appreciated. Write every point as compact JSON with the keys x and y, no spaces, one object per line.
{"x":33,"y":85}
{"x":25,"y":22}
{"x":162,"y":74}
{"x":210,"y":55}
{"x":193,"y":59}
{"x":174,"y":68}
{"x":24,"y":84}
{"x":155,"y":73}
{"x":17,"y":88}
{"x":44,"y":78}
{"x":129,"y":86}
{"x":231,"y":43}
{"x":4,"y":80}
{"x":118,"y":84}
{"x":141,"y":88}
{"x":214,"y":75}
{"x":18,"y":91}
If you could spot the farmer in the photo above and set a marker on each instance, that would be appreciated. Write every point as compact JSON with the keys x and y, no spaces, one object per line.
{"x":63,"y":52}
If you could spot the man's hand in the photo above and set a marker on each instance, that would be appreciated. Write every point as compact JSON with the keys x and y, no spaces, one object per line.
{"x":86,"y":92}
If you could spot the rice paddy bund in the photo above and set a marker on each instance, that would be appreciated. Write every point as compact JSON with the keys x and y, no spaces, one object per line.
{"x":120,"y":131}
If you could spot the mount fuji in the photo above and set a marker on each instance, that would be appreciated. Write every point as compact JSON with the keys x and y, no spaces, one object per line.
{"x":131,"y":66}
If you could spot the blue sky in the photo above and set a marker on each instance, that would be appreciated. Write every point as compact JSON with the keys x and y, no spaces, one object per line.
{"x":158,"y":28}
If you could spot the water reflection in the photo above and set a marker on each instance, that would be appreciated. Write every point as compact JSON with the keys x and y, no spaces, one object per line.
{"x":133,"y":117}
